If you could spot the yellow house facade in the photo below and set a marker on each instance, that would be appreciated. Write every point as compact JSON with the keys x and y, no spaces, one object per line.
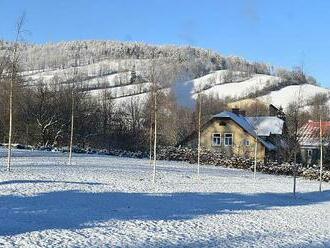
{"x":228,"y":137}
{"x":232,"y":133}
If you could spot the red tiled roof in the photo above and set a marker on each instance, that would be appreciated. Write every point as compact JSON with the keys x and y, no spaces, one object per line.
{"x":310,"y":132}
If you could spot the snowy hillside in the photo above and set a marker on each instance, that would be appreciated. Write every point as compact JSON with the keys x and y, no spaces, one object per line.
{"x":95,"y":66}
{"x":242,"y":87}
{"x":103,"y":201}
{"x":225,"y":84}
{"x":286,"y":95}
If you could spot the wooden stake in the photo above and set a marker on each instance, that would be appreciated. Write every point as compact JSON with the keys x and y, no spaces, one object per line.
{"x":155,"y":136}
{"x":321,"y":156}
{"x":72,"y":126}
{"x":199,"y":133}
{"x":255,"y":159}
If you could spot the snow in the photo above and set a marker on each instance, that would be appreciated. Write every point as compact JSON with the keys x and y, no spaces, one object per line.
{"x":216,"y":84}
{"x":123,"y":91}
{"x":287,"y":95}
{"x":115,"y":74}
{"x":239,"y":119}
{"x":104,"y":201}
{"x":266,"y":125}
{"x":243,"y":88}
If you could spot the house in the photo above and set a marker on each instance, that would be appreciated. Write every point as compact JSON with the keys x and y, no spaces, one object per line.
{"x":309,"y":140}
{"x":233,"y":133}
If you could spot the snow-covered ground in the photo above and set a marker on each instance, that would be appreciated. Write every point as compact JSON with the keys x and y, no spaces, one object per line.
{"x":103,"y":201}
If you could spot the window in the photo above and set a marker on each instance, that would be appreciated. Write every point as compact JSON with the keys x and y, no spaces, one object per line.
{"x":228,"y":139}
{"x":246,"y":142}
{"x":216,"y":139}
{"x":309,"y":153}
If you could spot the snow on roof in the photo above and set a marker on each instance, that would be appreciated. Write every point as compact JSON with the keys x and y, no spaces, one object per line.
{"x":266,"y":125}
{"x":310,"y":133}
{"x":239,"y":119}
{"x":246,"y":125}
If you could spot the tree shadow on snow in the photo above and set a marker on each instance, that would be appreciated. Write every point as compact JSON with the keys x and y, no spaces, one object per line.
{"x":76,"y":209}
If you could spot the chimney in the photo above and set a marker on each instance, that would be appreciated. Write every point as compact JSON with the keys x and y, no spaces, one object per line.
{"x":235,"y":111}
{"x":273,"y":111}
{"x":243,"y":113}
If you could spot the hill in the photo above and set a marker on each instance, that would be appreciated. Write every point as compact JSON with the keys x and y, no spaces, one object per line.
{"x":122,"y":68}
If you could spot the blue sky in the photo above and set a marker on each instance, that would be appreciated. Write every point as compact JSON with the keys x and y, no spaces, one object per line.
{"x":281,"y":32}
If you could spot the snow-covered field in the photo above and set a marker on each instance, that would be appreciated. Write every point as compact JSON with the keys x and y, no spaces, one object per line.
{"x":103,"y":201}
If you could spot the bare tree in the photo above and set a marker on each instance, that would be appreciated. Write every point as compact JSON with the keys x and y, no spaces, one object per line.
{"x":320,"y":111}
{"x":160,"y":73}
{"x":323,"y":113}
{"x":13,"y":75}
{"x":295,"y":120}
{"x":75,"y":73}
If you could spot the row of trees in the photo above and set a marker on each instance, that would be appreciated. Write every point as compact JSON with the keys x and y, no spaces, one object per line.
{"x":43,"y":113}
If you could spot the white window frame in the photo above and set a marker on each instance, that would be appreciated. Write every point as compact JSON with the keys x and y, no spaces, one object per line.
{"x":224,"y":139}
{"x":214,"y":144}
{"x":247,"y":143}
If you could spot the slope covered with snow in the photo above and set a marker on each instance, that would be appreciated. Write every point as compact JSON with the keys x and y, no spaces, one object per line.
{"x":99,"y":65}
{"x":243,"y":87}
{"x":293,"y":93}
{"x":225,"y":84}
{"x":102,"y":201}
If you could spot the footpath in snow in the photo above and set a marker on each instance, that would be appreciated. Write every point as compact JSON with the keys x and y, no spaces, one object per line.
{"x":104,"y":201}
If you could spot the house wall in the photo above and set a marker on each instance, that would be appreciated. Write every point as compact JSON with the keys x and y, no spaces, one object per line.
{"x":310,"y":158}
{"x":239,"y":135}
